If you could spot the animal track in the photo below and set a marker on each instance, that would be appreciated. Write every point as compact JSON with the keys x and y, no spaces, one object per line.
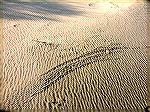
{"x":46,"y":44}
{"x":56,"y":73}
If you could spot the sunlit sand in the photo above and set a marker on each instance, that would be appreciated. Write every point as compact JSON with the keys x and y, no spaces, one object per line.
{"x":67,"y":55}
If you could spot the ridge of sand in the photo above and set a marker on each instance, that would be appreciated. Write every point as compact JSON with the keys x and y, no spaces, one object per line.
{"x":35,"y":42}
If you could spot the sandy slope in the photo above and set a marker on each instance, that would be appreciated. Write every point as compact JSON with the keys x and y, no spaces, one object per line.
{"x":148,"y":52}
{"x":38,"y":37}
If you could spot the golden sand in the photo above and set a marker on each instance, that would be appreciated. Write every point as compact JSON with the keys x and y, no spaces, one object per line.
{"x":75,"y":59}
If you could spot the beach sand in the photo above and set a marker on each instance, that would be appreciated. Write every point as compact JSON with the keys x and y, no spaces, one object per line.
{"x":69,"y":56}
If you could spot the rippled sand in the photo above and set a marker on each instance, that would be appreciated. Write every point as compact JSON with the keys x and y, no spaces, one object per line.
{"x":72,"y":57}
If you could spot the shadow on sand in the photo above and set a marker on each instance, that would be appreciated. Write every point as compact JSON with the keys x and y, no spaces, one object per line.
{"x":37,"y":10}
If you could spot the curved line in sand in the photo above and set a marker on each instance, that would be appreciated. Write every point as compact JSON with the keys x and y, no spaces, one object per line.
{"x":56,"y":73}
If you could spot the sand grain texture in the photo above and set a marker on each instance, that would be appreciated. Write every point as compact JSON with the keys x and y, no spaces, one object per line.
{"x":60,"y":56}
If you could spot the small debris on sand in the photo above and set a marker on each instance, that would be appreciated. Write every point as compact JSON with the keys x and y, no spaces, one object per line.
{"x":107,"y":51}
{"x":14,"y":25}
{"x":90,"y":4}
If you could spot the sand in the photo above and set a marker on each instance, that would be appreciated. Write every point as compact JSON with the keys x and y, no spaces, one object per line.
{"x":69,"y":56}
{"x":148,"y":55}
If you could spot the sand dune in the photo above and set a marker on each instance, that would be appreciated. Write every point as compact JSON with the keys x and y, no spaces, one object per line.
{"x":73,"y":57}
